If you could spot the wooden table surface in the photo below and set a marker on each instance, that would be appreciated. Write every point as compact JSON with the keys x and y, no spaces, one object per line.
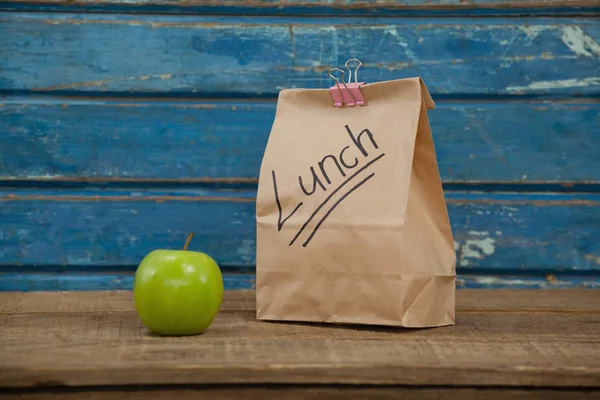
{"x":517,"y":344}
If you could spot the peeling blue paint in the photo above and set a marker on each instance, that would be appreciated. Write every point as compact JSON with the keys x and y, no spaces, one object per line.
{"x":82,"y":281}
{"x":171,"y":134}
{"x":518,"y":231}
{"x":124,"y":281}
{"x":260,"y":55}
{"x":54,"y":138}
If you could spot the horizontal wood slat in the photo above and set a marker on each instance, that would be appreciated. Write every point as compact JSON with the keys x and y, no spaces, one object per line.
{"x":82,"y":279}
{"x":503,"y":347}
{"x":297,"y":392}
{"x":143,"y":360}
{"x":259,"y":56}
{"x":569,"y":301}
{"x":85,"y":280}
{"x":495,"y":327}
{"x":375,"y":5}
{"x":498,"y":231}
{"x":54,"y":139}
{"x":316,"y":7}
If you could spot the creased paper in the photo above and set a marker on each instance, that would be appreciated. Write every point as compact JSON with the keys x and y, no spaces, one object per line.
{"x":352,"y":224}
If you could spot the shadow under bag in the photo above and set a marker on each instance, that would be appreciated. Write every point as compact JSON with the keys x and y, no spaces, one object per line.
{"x":352,"y":224}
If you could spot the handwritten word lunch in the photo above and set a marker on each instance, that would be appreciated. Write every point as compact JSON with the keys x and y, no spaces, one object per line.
{"x":320,"y":178}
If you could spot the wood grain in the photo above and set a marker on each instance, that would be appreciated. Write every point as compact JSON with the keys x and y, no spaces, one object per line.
{"x":240,"y":326}
{"x":220,"y":56}
{"x":530,"y":301}
{"x":106,"y":345}
{"x":206,"y":141}
{"x":494,"y":231}
{"x":53,"y":278}
{"x":297,"y":392}
{"x":316,"y":7}
{"x":377,"y":5}
{"x":77,"y":278}
{"x":122,"y":301}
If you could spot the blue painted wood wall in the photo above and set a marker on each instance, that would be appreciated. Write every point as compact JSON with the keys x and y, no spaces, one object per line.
{"x":124,"y":125}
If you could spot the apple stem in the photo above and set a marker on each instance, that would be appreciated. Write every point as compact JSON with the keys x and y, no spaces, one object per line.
{"x":188,"y":240}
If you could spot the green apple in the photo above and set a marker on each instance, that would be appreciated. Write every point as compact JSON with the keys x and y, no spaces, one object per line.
{"x":178,"y":292}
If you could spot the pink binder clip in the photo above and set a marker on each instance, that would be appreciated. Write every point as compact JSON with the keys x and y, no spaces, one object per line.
{"x":350,"y":94}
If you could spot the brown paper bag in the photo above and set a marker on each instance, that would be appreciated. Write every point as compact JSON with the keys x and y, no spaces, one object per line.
{"x":352,"y":224}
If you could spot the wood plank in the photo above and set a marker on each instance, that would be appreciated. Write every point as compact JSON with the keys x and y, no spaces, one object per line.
{"x":515,"y":279}
{"x":122,"y":301}
{"x":504,"y":348}
{"x":378,"y":6}
{"x":82,"y":279}
{"x":468,"y":300}
{"x":260,"y":55}
{"x":296,"y":392}
{"x":191,"y":141}
{"x":19,"y":330}
{"x":381,"y":362}
{"x":315,"y":7}
{"x":84,"y":229}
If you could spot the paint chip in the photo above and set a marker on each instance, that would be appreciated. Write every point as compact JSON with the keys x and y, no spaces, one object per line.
{"x":579,"y":42}
{"x":480,"y":247}
{"x":592,"y":257}
{"x":557,"y":84}
{"x":533,"y":31}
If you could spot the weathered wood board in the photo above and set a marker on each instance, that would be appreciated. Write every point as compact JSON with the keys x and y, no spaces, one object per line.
{"x":63,"y":139}
{"x":296,"y":392}
{"x":530,"y":344}
{"x":420,"y":8}
{"x":225,"y":56}
{"x":377,"y":6}
{"x":566,"y":301}
{"x":75,"y":278}
{"x":116,"y":228}
{"x":142,"y":120}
